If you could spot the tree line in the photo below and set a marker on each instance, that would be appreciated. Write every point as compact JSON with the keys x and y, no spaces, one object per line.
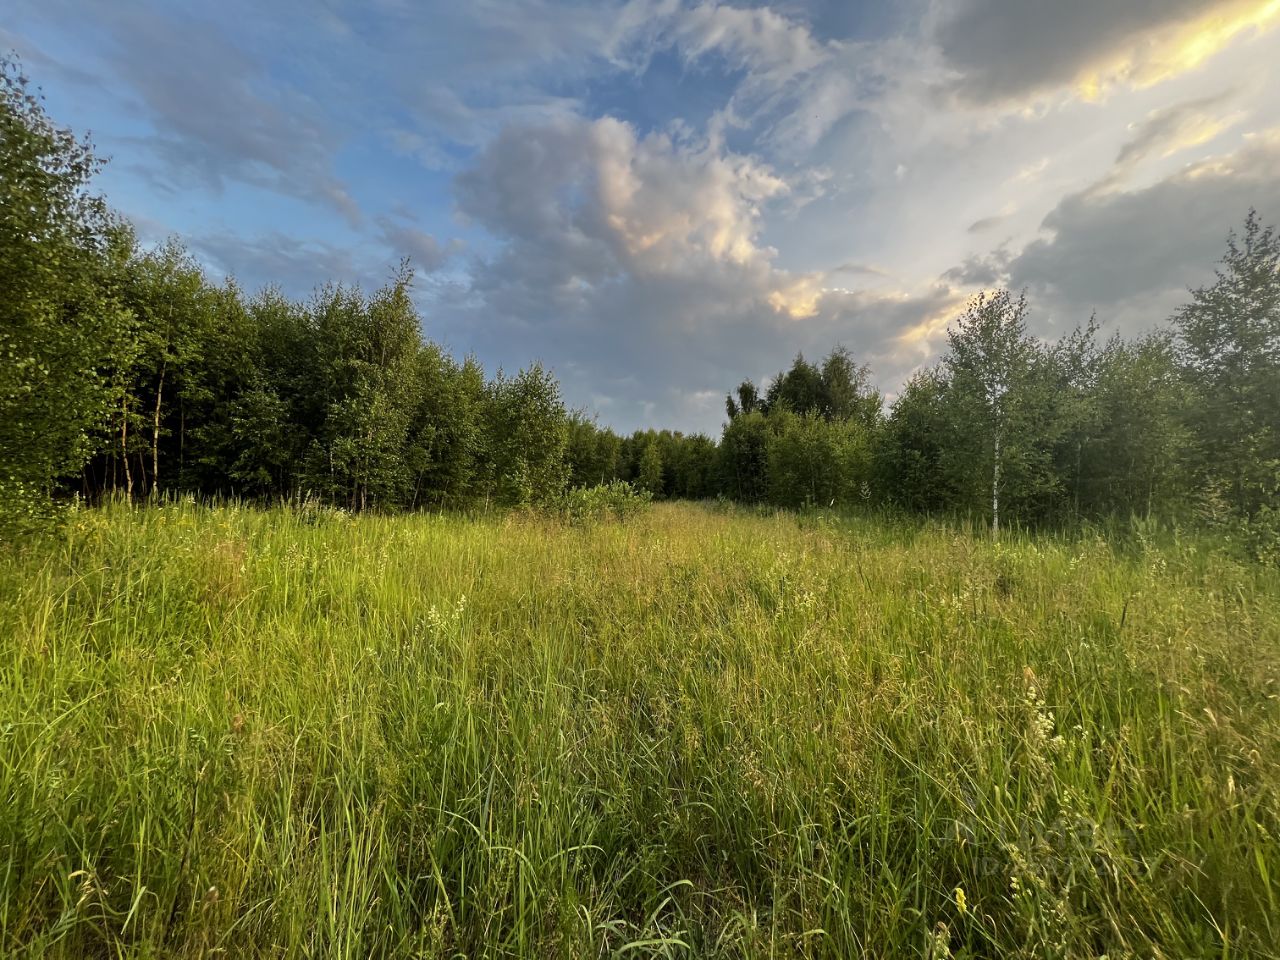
{"x":129,"y":371}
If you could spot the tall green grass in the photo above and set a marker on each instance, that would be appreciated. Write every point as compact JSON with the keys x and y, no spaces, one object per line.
{"x":702,"y":733}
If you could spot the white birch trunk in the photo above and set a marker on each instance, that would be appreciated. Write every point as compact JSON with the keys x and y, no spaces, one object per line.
{"x":995,"y":490}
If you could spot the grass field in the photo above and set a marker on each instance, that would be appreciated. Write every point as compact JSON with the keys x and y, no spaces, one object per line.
{"x":702,"y":733}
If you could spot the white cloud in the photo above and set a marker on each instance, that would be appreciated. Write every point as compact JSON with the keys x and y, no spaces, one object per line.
{"x":1095,"y":151}
{"x":590,"y":199}
{"x":637,"y":258}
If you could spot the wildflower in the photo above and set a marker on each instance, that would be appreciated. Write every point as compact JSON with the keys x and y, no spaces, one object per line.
{"x":961,"y":903}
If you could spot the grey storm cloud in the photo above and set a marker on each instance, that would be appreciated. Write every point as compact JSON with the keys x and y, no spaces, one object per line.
{"x":859,"y":270}
{"x":980,"y":270}
{"x":1005,"y":49}
{"x":1134,"y":253}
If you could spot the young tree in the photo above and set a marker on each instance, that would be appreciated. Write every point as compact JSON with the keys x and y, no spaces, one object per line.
{"x":1229,"y":335}
{"x":1072,"y":366}
{"x":1000,"y":394}
{"x":448,"y":428}
{"x":201,"y":436}
{"x":650,"y":469}
{"x":277,"y":407}
{"x":61,"y":325}
{"x":592,"y":453}
{"x":178,"y":319}
{"x":368,"y":351}
{"x":847,"y":389}
{"x":264,"y":435}
{"x":526,"y":437}
{"x":911,"y":465}
{"x":801,"y":389}
{"x":814,"y":461}
{"x":1133,"y":461}
{"x":742,"y":456}
{"x":748,"y":399}
{"x":693,"y":467}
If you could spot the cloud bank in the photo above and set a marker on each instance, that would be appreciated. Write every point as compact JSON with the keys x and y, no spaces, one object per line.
{"x":659,"y":197}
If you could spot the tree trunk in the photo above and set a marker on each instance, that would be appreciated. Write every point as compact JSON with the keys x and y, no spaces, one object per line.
{"x":995,"y":490}
{"x":182,"y":440}
{"x":155,"y":436}
{"x":124,"y":446}
{"x":1079,"y":468}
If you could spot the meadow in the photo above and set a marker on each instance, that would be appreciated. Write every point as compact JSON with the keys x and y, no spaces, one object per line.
{"x":703,"y":732}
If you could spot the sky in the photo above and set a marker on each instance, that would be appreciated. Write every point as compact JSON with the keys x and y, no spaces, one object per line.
{"x":656,"y":198}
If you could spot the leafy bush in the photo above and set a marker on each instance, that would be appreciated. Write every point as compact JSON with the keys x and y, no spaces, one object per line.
{"x":615,"y":500}
{"x":1261,"y":535}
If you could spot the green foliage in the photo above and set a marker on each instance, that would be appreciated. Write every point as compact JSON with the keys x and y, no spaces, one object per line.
{"x":743,"y":457}
{"x":264,"y":445}
{"x":362,"y":456}
{"x":1229,"y":336}
{"x":61,"y":321}
{"x":649,"y":471}
{"x":846,"y":390}
{"x":692,"y":461}
{"x":527,"y":431}
{"x":748,"y":400}
{"x":912,"y":447}
{"x":448,"y":428}
{"x":838,"y":389}
{"x":801,"y":389}
{"x":1048,"y":432}
{"x":1131,"y":450}
{"x":615,"y":500}
{"x":1260,"y":532}
{"x":1001,"y":396}
{"x":592,"y":453}
{"x":811,"y":461}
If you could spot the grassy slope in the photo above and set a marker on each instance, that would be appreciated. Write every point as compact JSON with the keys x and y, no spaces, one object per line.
{"x":744,"y":734}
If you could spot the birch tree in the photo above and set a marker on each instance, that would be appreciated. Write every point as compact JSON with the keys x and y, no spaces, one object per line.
{"x":992,"y":364}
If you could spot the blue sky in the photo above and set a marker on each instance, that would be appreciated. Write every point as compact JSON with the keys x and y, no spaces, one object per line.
{"x":655,"y":197}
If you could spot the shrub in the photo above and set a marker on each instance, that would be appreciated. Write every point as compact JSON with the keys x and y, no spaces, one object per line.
{"x":615,"y":500}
